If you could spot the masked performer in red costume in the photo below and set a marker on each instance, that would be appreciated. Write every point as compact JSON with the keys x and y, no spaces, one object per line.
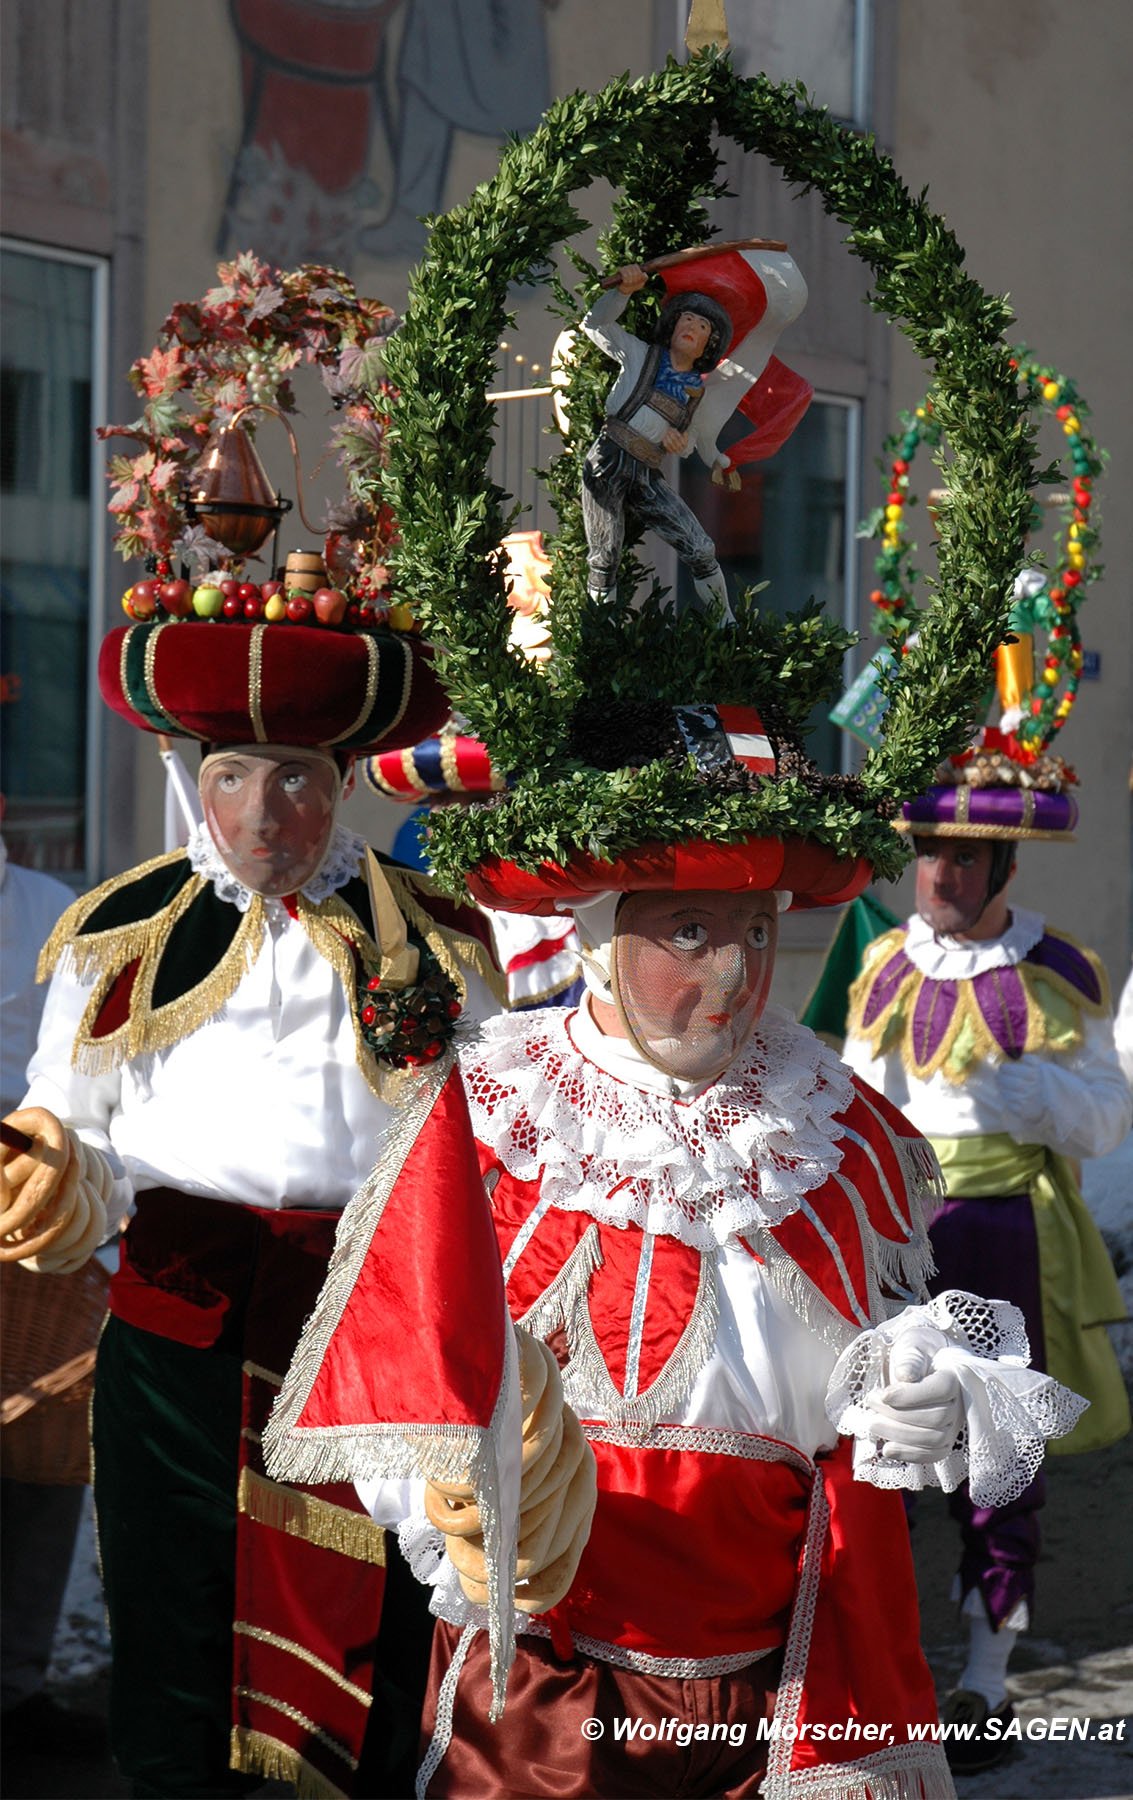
{"x":721,"y":1233}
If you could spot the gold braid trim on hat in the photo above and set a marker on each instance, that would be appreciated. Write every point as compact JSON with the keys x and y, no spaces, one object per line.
{"x":1013,"y":834}
{"x":373,"y":665}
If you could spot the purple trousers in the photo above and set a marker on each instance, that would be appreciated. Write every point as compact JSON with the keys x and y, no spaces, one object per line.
{"x":989,"y":1246}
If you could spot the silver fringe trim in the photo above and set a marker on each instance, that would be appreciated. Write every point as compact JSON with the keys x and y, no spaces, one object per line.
{"x":902,"y":1772}
{"x":916,"y":1159}
{"x":451,"y":1453}
{"x":808,"y":1302}
{"x":568,"y":1290}
{"x":587,"y":1366}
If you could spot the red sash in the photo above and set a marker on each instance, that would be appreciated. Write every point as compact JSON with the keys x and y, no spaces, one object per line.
{"x":691,"y":1512}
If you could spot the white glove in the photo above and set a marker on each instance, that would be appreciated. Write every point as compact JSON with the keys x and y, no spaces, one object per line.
{"x":1022,"y":1088}
{"x":942,"y":1392}
{"x":916,"y":1421}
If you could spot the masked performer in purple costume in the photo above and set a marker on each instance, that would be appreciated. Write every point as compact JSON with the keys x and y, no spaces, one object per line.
{"x":993,"y":1034}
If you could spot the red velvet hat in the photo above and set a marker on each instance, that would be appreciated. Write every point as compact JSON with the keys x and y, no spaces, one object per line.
{"x":732,"y":747}
{"x":813,"y":873}
{"x":281,"y":683}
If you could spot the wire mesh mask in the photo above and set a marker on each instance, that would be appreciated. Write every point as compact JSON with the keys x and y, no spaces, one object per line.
{"x":690,"y":976}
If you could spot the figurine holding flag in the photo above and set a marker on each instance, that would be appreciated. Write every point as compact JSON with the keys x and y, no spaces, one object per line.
{"x":712,"y":347}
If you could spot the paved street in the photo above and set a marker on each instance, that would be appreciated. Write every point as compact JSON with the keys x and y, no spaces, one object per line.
{"x":1077,"y":1663}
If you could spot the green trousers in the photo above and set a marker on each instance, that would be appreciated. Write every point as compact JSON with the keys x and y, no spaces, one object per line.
{"x":166,"y":1430}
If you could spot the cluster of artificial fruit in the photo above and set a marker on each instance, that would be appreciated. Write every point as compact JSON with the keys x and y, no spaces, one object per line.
{"x":409,"y":1026}
{"x":224,"y":596}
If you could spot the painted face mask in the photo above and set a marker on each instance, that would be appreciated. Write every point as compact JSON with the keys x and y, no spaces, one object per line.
{"x":271,"y":811}
{"x":691,"y":975}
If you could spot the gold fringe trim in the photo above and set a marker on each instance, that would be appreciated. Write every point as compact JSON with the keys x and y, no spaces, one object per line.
{"x":273,"y":1638}
{"x":334,"y":930}
{"x":892,"y":1030}
{"x":317,"y":1522}
{"x":68,"y":927}
{"x":149,"y":1029}
{"x":255,"y":1753}
{"x":337,"y":933}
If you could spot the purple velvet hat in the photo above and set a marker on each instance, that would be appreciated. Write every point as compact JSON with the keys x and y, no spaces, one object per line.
{"x":989,"y":793}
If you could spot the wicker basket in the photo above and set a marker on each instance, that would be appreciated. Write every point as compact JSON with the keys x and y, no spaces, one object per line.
{"x":48,"y":1332}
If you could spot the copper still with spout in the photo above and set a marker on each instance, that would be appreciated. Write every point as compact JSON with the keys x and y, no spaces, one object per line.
{"x":228,"y":492}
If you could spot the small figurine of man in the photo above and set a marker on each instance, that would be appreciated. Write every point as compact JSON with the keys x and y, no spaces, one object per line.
{"x":650,"y":411}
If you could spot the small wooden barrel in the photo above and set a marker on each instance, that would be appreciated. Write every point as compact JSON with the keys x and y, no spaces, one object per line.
{"x":305,"y":572}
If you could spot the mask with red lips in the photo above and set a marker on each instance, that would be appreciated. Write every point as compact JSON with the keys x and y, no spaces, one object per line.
{"x":691,"y":974}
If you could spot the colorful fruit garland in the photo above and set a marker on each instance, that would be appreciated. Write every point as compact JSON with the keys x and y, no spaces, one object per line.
{"x":1049,"y":701}
{"x":238,"y":346}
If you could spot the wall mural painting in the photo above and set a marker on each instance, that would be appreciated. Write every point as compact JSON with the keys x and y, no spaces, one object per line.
{"x":350,"y":109}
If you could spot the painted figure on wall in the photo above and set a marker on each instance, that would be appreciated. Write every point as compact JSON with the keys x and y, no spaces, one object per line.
{"x":350,"y":110}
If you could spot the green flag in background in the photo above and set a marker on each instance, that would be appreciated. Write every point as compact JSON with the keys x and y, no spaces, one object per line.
{"x":863,"y":920}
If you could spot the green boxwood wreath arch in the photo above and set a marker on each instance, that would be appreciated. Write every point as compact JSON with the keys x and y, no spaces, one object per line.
{"x":652,"y":140}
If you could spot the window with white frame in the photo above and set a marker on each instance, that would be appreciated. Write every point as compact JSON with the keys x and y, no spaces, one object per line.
{"x":52,"y":306}
{"x":792,"y":525}
{"x":825,"y":44}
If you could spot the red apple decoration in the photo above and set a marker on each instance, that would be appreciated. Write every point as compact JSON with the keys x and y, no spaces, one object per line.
{"x":228,"y":586}
{"x":233,"y":607}
{"x":330,"y":605}
{"x":299,"y":608}
{"x":248,"y":590}
{"x":253,"y":605}
{"x":144,"y":599}
{"x":269,"y":588}
{"x":177,"y":599}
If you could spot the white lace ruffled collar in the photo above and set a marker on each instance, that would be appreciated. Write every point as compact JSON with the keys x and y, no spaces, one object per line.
{"x":338,"y":866}
{"x":744,"y":1152}
{"x":950,"y":959}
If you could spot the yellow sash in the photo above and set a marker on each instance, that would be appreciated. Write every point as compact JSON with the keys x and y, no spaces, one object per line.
{"x":1080,"y":1295}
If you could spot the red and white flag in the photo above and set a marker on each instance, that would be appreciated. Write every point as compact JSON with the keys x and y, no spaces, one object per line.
{"x":762,"y":292}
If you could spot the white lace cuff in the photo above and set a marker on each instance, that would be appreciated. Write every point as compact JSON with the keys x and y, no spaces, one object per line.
{"x":1010,"y":1409}
{"x":423,"y":1548}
